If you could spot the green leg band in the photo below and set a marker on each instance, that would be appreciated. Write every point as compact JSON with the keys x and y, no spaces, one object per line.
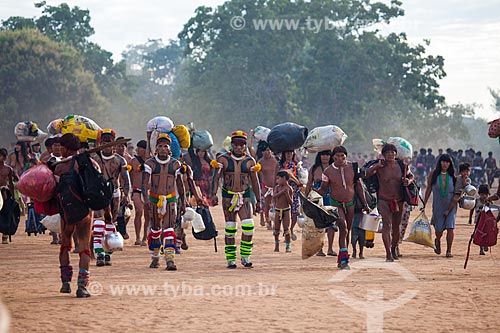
{"x":99,"y":250}
{"x":230,"y":252}
{"x":246,"y":249}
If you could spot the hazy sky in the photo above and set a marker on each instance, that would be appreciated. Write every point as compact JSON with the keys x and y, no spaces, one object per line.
{"x":464,"y":32}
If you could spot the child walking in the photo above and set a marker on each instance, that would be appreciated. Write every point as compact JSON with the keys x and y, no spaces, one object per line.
{"x":282,"y":199}
{"x":484,"y":193}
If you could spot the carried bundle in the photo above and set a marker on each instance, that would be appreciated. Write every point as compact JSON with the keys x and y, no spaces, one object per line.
{"x":84,"y":128}
{"x":29,"y":131}
{"x":403,"y":146}
{"x":38,"y":183}
{"x":202,"y":140}
{"x":324,"y":138}
{"x":286,"y":136}
{"x":163,"y":124}
{"x":260,"y":133}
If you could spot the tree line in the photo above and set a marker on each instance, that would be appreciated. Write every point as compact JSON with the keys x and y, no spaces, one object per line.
{"x":221,"y":78}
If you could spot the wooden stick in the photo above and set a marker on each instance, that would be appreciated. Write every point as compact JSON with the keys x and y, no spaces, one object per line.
{"x":96,"y":149}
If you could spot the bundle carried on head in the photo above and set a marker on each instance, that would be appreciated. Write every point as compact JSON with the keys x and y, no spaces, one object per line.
{"x":84,"y":128}
{"x":29,"y":131}
{"x":324,"y":138}
{"x":286,"y":136}
{"x":403,"y":146}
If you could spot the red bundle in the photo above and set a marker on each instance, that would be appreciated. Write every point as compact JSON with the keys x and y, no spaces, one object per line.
{"x":38,"y":183}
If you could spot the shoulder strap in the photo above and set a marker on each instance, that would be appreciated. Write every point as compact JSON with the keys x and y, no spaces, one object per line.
{"x":356,"y":171}
{"x":141,"y":161}
{"x":403,"y":167}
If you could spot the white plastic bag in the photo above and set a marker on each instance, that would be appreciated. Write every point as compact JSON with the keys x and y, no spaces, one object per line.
{"x":260,"y":133}
{"x":403,"y":146}
{"x":325,"y":138}
{"x":302,"y":173}
{"x":52,"y":222}
{"x":202,"y":140}
{"x":160,"y":124}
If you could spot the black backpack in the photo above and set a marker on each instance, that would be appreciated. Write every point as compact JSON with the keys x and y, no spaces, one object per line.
{"x":97,"y":192}
{"x":210,"y":229}
{"x":70,"y":196}
{"x":372,"y":181}
{"x":10,"y":214}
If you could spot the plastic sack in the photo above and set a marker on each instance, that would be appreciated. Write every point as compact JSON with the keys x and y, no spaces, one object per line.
{"x":38,"y":183}
{"x":160,"y":124}
{"x":52,"y":222}
{"x":189,"y":214}
{"x":302,"y":173}
{"x":182,"y":133}
{"x":29,"y":131}
{"x":113,"y":242}
{"x":325,"y":138}
{"x":286,"y":136}
{"x":55,"y":126}
{"x":312,"y":239}
{"x":84,"y":128}
{"x":202,"y":140}
{"x":420,"y":231}
{"x":260,"y":133}
{"x":404,"y":148}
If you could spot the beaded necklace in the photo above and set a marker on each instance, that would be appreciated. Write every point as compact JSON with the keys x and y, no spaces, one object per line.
{"x":444,"y":191}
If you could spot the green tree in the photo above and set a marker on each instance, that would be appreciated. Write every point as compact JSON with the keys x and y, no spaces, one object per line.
{"x":41,"y":80}
{"x":348,"y":74}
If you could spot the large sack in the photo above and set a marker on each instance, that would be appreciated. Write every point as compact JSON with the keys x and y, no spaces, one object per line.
{"x":312,"y":239}
{"x":260,"y":133}
{"x":55,"y":126}
{"x":325,"y":138}
{"x":182,"y":133}
{"x":84,"y":128}
{"x":403,"y":146}
{"x":202,"y":140}
{"x":29,"y":131}
{"x":52,"y":222}
{"x":286,"y":136}
{"x":38,"y":183}
{"x":420,"y":231}
{"x":160,"y":124}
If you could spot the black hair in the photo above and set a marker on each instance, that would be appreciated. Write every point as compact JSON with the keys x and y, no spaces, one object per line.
{"x":283,"y":173}
{"x":261,"y":146}
{"x":283,"y":158}
{"x":463,"y":167}
{"x":196,"y":162}
{"x":317,"y":161}
{"x":3,"y":152}
{"x":339,"y":149}
{"x":24,"y":152}
{"x":490,"y":153}
{"x":70,"y":142}
{"x":389,"y":146}
{"x":49,"y":142}
{"x":437,"y":169}
{"x":483,"y":189}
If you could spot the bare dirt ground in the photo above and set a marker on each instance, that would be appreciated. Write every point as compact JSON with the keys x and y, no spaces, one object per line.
{"x":282,"y":293}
